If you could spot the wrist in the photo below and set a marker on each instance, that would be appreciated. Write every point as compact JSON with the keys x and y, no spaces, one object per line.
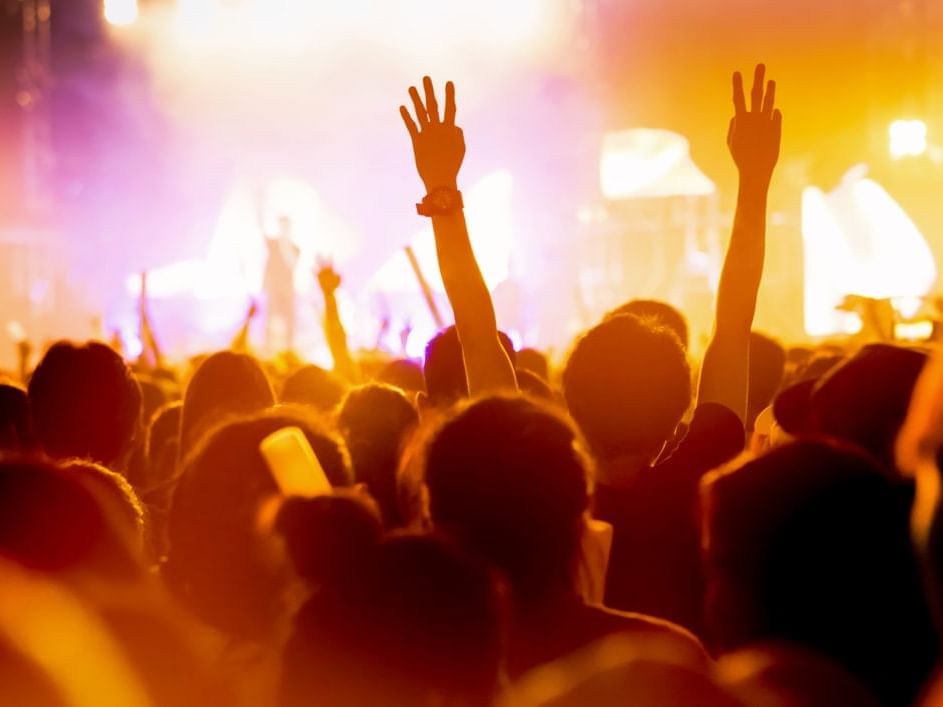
{"x":431,"y":186}
{"x":441,"y":201}
{"x":754,"y":187}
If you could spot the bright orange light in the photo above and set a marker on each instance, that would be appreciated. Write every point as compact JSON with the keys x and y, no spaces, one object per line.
{"x":121,"y":13}
{"x":908,"y":138}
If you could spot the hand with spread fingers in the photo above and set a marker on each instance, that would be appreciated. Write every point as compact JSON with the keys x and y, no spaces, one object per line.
{"x":438,"y":144}
{"x":755,"y":134}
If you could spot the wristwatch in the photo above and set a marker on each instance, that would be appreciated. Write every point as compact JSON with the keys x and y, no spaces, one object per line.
{"x":440,"y":201}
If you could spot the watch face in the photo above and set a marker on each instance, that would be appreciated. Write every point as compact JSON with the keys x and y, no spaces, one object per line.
{"x":442,"y":199}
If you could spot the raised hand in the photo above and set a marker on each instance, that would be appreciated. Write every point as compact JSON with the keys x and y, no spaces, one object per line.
{"x":755,"y":133}
{"x":438,"y":144}
{"x":328,"y":278}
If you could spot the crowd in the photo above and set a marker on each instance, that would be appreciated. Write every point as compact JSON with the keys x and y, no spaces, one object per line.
{"x":633,"y":527}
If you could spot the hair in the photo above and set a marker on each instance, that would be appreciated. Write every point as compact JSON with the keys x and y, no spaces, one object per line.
{"x":85,"y":402}
{"x":533,"y":385}
{"x":767,"y":368}
{"x":163,"y":437}
{"x":226,"y":384}
{"x":16,"y":425}
{"x":330,"y":538}
{"x":425,"y":625}
{"x":153,"y":395}
{"x":218,"y":560}
{"x":403,"y":373}
{"x":314,"y":386}
{"x":535,"y":361}
{"x":627,"y":384}
{"x":658,"y":314}
{"x":375,"y":421}
{"x":506,"y":477}
{"x":114,"y":492}
{"x":444,"y":366}
{"x":52,"y":520}
{"x":809,"y":544}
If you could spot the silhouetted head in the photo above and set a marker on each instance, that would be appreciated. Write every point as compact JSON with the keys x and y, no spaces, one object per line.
{"x":16,"y":425}
{"x":767,"y":367}
{"x":425,"y":627}
{"x":225,"y":385}
{"x":534,"y":361}
{"x":376,"y":422}
{"x":115,"y":494}
{"x":220,"y":559}
{"x":627,"y":385}
{"x":330,"y":538}
{"x":658,"y":314}
{"x":533,"y":385}
{"x":163,"y":438}
{"x":444,"y":367}
{"x":85,"y":403}
{"x":314,"y":386}
{"x":809,"y":544}
{"x":862,"y":400}
{"x":506,"y":477}
{"x":55,"y":520}
{"x":153,"y":395}
{"x":405,"y":374}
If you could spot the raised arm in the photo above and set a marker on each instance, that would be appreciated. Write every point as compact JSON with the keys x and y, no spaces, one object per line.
{"x":151,"y":355}
{"x":329,"y":281}
{"x":439,"y":149}
{"x":753,"y":139}
{"x":240,"y":342}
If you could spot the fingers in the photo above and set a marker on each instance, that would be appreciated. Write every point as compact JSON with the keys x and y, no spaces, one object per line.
{"x":450,"y":103}
{"x":756,"y":94}
{"x":733,"y":123}
{"x":769,"y":100}
{"x":410,"y":123}
{"x":421,"y":116}
{"x":432,"y":106}
{"x":739,"y":102}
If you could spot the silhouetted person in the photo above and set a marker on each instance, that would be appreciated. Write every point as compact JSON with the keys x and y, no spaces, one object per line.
{"x":376,"y":421}
{"x":657,"y":313}
{"x":507,"y":479}
{"x":219,"y":562}
{"x":224,"y":385}
{"x":16,"y":424}
{"x":85,"y":403}
{"x":424,"y":626}
{"x":279,"y":286}
{"x":809,"y":544}
{"x":767,"y":368}
{"x":444,"y":369}
{"x":314,"y":386}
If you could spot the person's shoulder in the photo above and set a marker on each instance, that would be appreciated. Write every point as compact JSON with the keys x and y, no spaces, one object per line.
{"x":715,"y":435}
{"x":649,"y":628}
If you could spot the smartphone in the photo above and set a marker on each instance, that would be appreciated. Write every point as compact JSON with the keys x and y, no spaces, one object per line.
{"x":294,"y":465}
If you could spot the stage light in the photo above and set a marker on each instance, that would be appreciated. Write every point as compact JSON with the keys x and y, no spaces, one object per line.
{"x":121,"y":13}
{"x":908,"y":138}
{"x":488,"y":210}
{"x":859,"y":241}
{"x":647,"y":163}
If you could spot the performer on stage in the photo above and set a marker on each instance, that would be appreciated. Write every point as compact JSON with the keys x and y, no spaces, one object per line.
{"x":279,"y":286}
